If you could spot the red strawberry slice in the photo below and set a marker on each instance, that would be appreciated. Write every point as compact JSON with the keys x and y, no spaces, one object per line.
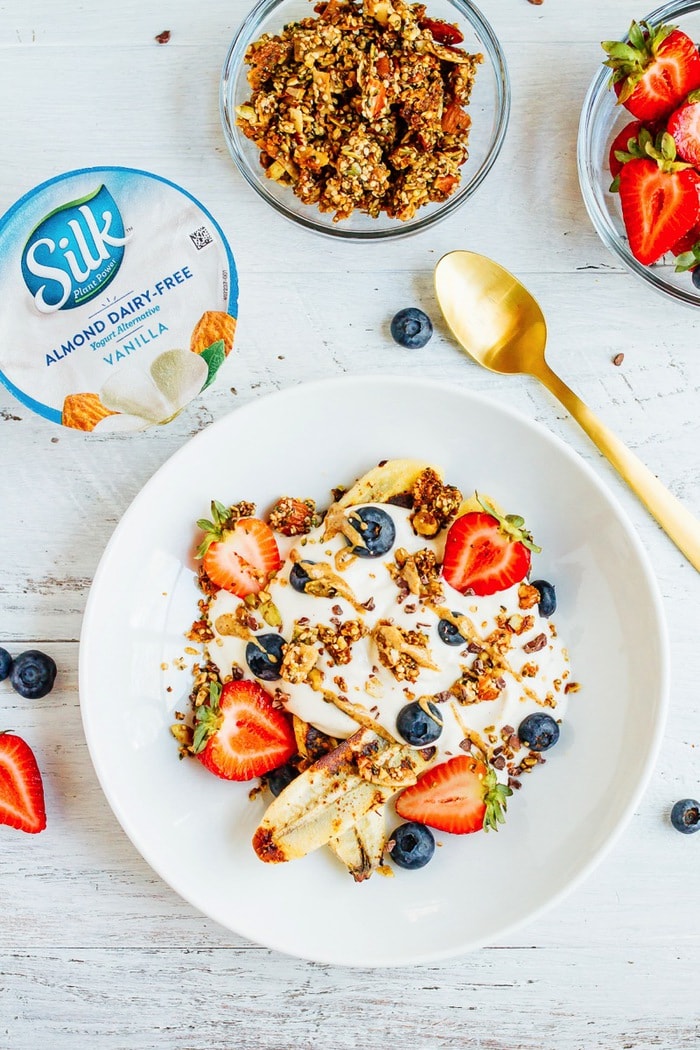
{"x":460,"y":796}
{"x":486,"y":553}
{"x":239,"y":735}
{"x":654,"y":70}
{"x":21,"y":787}
{"x":684,"y":126}
{"x":245,"y":557}
{"x":658,"y":207}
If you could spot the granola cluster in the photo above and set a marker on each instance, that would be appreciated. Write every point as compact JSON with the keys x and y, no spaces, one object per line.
{"x":362,"y":106}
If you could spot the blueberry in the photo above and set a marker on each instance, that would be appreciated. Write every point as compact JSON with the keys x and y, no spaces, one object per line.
{"x":696,"y":281}
{"x":685,"y":816}
{"x":413,"y":846}
{"x":548,"y":597}
{"x":33,"y":674}
{"x":538,"y":731}
{"x":449,"y":632}
{"x":265,"y":662}
{"x":411,"y":328}
{"x":5,"y":664}
{"x":377,"y":530}
{"x":416,"y":726}
{"x":299,"y":577}
{"x":280,"y":778}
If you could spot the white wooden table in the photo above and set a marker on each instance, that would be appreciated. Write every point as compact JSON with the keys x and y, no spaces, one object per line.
{"x":95,"y":950}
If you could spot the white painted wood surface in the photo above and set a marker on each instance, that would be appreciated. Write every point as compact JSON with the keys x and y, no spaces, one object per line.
{"x":94,"y":949}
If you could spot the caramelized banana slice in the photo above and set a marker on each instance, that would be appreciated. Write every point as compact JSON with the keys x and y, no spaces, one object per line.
{"x":333,"y":794}
{"x":324,"y":801}
{"x":378,"y":485}
{"x":361,"y":847}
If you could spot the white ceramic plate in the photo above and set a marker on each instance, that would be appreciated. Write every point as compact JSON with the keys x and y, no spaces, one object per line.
{"x":195,"y":830}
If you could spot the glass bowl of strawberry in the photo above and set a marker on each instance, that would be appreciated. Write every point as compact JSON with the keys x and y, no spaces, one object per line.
{"x":639,"y":149}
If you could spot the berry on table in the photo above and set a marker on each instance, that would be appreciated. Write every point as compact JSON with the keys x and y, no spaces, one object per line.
{"x":5,"y":664}
{"x":685,"y":816}
{"x":411,"y":328}
{"x":412,"y":846}
{"x":538,"y":731}
{"x":417,"y":726}
{"x":33,"y":674}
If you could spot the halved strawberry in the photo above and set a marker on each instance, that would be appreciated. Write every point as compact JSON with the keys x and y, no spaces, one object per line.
{"x":654,"y":70}
{"x":486,"y":552}
{"x":660,"y":203}
{"x":239,"y":735}
{"x":21,"y":787}
{"x":461,"y":795}
{"x":684,"y":126}
{"x":238,"y":556}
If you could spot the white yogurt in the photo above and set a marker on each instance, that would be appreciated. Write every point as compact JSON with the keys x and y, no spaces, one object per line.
{"x":366,"y":681}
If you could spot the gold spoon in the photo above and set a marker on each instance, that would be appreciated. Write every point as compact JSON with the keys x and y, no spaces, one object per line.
{"x":499,"y":323}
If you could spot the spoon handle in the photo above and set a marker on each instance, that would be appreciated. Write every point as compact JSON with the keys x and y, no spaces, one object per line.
{"x":678,"y":523}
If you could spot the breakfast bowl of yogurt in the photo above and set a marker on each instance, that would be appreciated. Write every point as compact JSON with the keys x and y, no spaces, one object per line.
{"x":341,"y":667}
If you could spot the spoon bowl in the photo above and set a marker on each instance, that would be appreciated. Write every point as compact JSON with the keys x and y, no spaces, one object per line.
{"x":490,"y":313}
{"x":501,"y":326}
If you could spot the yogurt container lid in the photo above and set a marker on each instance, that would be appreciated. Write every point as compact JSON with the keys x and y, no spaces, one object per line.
{"x":118,"y":299}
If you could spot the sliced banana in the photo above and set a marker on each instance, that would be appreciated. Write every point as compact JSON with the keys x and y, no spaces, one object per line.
{"x":361,"y":847}
{"x":378,"y":485}
{"x":333,"y":795}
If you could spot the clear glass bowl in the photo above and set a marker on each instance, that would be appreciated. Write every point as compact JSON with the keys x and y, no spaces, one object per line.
{"x":601,"y":120}
{"x":489,"y":109}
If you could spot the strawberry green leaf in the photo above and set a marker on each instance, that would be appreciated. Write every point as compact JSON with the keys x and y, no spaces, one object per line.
{"x":513,"y":525}
{"x":219,"y":512}
{"x":496,"y":801}
{"x":207,"y":718}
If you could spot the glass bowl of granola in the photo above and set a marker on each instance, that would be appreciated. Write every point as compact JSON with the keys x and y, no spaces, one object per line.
{"x":365,"y":120}
{"x":625,"y":145}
